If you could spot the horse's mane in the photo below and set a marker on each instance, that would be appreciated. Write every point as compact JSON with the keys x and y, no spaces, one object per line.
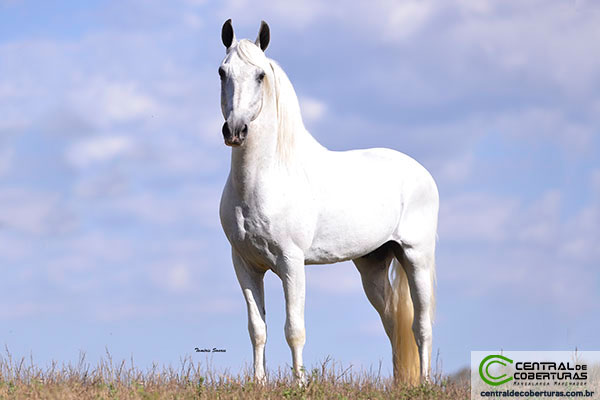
{"x":278,"y":85}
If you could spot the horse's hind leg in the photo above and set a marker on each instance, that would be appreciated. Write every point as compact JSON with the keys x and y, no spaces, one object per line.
{"x":373,"y":269}
{"x":419,"y":265}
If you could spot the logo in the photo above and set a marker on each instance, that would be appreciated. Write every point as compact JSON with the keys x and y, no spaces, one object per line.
{"x":487,"y":376}
{"x":535,"y":374}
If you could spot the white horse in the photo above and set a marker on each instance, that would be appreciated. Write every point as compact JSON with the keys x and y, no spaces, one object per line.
{"x":289,"y":201}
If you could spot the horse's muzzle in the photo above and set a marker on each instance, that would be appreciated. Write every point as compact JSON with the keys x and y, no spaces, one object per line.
{"x":234,"y":137}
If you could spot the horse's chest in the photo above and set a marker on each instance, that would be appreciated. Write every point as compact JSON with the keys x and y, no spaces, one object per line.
{"x":254,"y":232}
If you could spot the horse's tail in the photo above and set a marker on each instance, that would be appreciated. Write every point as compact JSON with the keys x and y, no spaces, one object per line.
{"x":405,"y":351}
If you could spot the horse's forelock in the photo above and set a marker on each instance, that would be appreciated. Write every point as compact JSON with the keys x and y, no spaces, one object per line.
{"x":250,"y":53}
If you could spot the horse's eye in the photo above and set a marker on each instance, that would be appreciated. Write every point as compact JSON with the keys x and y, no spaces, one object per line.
{"x":260,"y":76}
{"x":221,"y":72}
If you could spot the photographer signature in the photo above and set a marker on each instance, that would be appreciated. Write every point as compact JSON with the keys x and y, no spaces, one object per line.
{"x":213,"y":350}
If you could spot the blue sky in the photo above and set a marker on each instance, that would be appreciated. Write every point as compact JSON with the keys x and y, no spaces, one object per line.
{"x":112,"y":165}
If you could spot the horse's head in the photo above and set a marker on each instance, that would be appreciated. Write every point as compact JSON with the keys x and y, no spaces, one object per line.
{"x":242,"y":75}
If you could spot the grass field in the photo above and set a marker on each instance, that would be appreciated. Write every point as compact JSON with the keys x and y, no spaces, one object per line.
{"x":22,"y":379}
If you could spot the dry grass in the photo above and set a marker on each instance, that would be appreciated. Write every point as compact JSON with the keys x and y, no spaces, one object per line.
{"x":21,"y":379}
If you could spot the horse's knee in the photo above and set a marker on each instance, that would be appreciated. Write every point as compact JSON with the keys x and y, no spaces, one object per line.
{"x":258,"y":333}
{"x":295,"y":333}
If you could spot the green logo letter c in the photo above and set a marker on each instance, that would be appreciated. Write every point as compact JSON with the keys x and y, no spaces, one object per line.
{"x":489,"y":378}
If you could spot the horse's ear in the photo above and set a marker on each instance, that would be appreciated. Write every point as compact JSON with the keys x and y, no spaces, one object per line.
{"x":264,"y":36}
{"x":227,"y":35}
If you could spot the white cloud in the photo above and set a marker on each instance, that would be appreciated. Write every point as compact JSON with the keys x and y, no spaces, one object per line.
{"x":312,"y":109}
{"x":547,"y":40}
{"x":29,"y":309}
{"x":581,"y":234}
{"x":107,"y":102}
{"x":393,"y":20}
{"x":297,"y":14}
{"x":595,"y":183}
{"x":475,"y":6}
{"x":173,"y":276}
{"x":12,"y":247}
{"x":93,"y":246}
{"x":189,"y":203}
{"x":340,"y":278}
{"x":98,"y":149}
{"x":106,"y":184}
{"x":195,"y":3}
{"x":540,"y":125}
{"x":404,"y":19}
{"x":8,"y":89}
{"x":127,"y":311}
{"x":6,"y":158}
{"x":178,"y":278}
{"x":133,"y":311}
{"x":193,"y":21}
{"x":33,"y":212}
{"x":476,"y":217}
{"x":373,"y":328}
{"x":520,"y":248}
{"x":73,"y":273}
{"x":455,"y":170}
{"x":541,"y":225}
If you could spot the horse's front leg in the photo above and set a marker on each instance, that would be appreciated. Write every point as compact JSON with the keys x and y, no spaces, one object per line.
{"x":292,"y":274}
{"x":251,"y":281}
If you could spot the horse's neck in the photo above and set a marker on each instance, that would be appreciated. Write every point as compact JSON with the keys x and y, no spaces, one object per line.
{"x":253,"y":158}
{"x":263,"y":156}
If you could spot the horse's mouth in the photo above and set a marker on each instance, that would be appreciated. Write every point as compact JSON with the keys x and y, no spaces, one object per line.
{"x":234,"y":142}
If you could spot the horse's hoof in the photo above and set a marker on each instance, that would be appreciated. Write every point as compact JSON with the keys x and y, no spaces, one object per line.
{"x":301,"y":381}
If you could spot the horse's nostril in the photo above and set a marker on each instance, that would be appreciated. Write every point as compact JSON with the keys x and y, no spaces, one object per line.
{"x":226,"y":130}
{"x":245,"y":128}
